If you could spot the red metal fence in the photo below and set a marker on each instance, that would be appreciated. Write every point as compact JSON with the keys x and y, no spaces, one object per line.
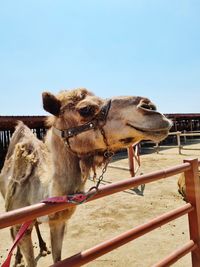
{"x":133,"y":160}
{"x":192,"y":208}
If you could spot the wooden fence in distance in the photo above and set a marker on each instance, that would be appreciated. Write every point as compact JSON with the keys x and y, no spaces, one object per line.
{"x":179,"y":145}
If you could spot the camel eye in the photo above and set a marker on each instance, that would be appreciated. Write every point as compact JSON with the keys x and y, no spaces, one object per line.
{"x":87,"y":111}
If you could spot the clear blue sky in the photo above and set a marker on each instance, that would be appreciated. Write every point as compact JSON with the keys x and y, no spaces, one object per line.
{"x":113,"y":47}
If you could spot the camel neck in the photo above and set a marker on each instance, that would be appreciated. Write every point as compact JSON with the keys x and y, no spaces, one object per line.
{"x":66,"y":169}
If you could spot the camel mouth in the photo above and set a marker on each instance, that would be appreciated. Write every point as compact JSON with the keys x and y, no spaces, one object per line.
{"x":156,"y":132}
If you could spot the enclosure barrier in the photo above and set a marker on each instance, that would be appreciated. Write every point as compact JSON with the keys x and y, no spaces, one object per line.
{"x":192,"y":208}
{"x":133,"y":160}
{"x":178,"y":137}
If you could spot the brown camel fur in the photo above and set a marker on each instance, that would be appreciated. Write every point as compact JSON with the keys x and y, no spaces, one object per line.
{"x":182,"y":186}
{"x":35,"y":170}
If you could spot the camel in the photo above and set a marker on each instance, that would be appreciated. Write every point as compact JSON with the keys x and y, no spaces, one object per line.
{"x":84,"y":131}
{"x":182,"y":186}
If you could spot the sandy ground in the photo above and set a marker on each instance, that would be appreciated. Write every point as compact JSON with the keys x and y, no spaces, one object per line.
{"x":105,"y":218}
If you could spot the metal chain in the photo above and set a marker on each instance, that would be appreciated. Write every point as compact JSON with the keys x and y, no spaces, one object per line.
{"x":103,"y":171}
{"x":108,"y":155}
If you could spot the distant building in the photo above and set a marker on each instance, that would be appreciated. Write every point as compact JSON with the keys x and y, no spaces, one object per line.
{"x":189,"y":122}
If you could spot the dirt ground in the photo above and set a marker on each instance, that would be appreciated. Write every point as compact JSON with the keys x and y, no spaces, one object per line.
{"x":105,"y":218}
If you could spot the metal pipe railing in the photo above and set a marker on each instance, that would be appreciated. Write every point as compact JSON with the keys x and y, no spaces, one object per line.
{"x":189,"y":167}
{"x":28,"y":213}
{"x":107,"y":246}
{"x":177,"y":254}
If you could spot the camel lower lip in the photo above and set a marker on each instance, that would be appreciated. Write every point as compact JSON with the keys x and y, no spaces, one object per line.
{"x":151,"y":131}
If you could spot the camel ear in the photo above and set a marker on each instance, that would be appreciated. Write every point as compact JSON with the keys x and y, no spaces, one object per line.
{"x":51,"y":104}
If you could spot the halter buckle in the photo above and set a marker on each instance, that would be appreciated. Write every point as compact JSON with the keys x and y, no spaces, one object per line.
{"x":108,"y":154}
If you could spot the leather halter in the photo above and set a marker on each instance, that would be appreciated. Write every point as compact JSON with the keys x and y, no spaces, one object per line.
{"x":97,"y":122}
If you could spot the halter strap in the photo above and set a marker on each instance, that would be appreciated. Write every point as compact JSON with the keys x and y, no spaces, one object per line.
{"x":97,"y":122}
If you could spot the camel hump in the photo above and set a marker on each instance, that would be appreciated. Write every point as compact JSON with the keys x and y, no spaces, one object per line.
{"x":21,"y":134}
{"x":22,"y":160}
{"x":24,"y":151}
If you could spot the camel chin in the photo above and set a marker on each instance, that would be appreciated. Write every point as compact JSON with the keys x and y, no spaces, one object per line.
{"x":156,"y":136}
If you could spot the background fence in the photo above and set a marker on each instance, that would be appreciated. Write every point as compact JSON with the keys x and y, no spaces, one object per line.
{"x":180,"y":145}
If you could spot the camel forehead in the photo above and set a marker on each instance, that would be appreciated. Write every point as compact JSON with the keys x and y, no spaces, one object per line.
{"x":74,"y":95}
{"x":132,"y":100}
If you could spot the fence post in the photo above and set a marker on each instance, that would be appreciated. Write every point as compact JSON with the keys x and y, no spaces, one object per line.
{"x":185,"y":137}
{"x":157,"y":148}
{"x":192,"y":182}
{"x":179,"y":142}
{"x":131,"y":160}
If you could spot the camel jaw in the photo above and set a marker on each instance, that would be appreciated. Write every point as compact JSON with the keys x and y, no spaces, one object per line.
{"x":156,"y":135}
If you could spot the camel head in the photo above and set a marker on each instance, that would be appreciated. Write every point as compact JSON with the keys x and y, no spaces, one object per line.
{"x":116,"y":123}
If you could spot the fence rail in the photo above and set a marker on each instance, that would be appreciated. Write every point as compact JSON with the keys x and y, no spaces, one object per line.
{"x":40,"y":209}
{"x":133,"y":160}
{"x":178,"y":138}
{"x":107,"y":246}
{"x":189,"y":167}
